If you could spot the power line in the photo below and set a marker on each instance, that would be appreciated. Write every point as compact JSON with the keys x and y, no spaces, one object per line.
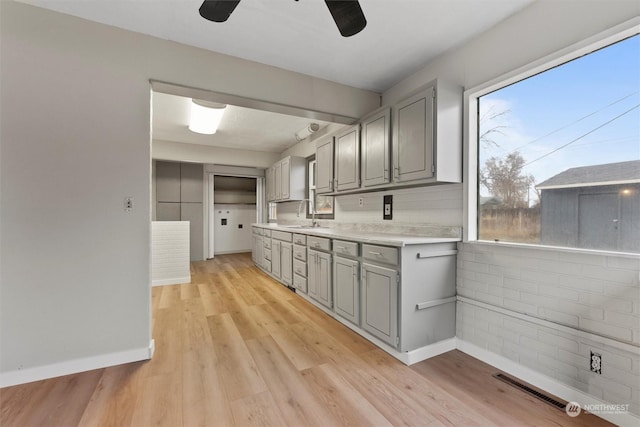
{"x":575,"y":121}
{"x":582,"y":136}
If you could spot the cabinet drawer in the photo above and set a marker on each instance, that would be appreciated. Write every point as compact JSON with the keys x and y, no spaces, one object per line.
{"x":267,"y":243}
{"x":266,"y":233}
{"x":383,"y":254}
{"x":300,"y":267}
{"x":345,"y":248}
{"x":266,"y":253}
{"x":300,"y":283}
{"x":281,"y":235}
{"x":300,"y":239}
{"x":320,"y":243}
{"x":300,"y":252}
{"x":259,"y":231}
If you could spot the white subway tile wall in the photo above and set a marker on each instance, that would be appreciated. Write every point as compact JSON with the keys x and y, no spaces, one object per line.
{"x":170,"y":252}
{"x":581,"y":292}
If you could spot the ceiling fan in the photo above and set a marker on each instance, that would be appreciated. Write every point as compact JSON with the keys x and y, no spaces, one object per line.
{"x":347,"y":14}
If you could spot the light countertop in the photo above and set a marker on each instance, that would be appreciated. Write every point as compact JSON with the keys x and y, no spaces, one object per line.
{"x":389,"y":239}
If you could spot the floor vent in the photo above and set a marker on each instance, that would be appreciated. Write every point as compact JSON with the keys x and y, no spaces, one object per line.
{"x":532,"y":392}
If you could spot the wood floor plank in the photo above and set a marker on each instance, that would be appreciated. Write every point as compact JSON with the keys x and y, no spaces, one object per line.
{"x":301,"y":355}
{"x":195,"y":327}
{"x":236,"y":367}
{"x":160,"y":404}
{"x":113,"y":401}
{"x":247,"y":325}
{"x":342,"y":401}
{"x":170,"y":294}
{"x":189,"y":291}
{"x":211,"y":301}
{"x":204,"y":400}
{"x":257,"y":410}
{"x":294,"y":397}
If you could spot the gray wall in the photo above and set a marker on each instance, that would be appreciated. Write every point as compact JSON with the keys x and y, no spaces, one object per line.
{"x":75,"y":113}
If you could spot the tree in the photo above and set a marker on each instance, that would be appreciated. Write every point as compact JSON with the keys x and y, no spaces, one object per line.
{"x":489,"y":127}
{"x":504,"y":178}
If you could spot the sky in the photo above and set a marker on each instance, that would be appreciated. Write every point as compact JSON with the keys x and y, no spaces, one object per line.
{"x":594,"y":100}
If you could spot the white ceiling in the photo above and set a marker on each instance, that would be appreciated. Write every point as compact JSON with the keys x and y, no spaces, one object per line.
{"x":401,"y":37}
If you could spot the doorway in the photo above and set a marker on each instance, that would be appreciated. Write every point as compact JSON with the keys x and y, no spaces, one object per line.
{"x":234,"y":210}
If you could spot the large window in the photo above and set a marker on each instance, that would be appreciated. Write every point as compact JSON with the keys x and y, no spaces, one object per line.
{"x":323,"y":205}
{"x":559,"y":154}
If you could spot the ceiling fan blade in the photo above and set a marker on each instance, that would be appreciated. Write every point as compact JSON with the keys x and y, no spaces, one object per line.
{"x":348,"y":16}
{"x":217,"y":10}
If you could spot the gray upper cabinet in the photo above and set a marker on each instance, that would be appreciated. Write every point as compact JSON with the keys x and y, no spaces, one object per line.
{"x":168,"y":182}
{"x":324,"y":166}
{"x":427,"y":136}
{"x":347,"y":159}
{"x":286,"y":180}
{"x":376,"y":147}
{"x":270,"y":178}
{"x":277,"y":177}
{"x":191,"y":182}
{"x":413,"y":137}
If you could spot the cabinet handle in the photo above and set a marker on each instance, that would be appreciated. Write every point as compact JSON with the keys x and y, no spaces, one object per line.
{"x":375,"y":253}
{"x":342,"y":248}
{"x":386,"y":174}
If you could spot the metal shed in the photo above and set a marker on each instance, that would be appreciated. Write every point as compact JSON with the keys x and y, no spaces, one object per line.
{"x":593,"y":207}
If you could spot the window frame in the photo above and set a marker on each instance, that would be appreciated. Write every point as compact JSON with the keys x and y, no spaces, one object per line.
{"x":307,"y":189}
{"x":470,"y":123}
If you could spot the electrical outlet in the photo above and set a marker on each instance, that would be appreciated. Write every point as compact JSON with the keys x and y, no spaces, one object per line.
{"x":387,"y":202}
{"x":128,"y":204}
{"x":596,"y":363}
{"x":360,"y":202}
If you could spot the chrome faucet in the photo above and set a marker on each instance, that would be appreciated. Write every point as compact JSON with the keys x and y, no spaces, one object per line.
{"x":314,"y":222}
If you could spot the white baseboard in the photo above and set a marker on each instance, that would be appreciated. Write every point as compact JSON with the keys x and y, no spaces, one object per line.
{"x":543,"y":382}
{"x":38,"y":373}
{"x":171,"y":281}
{"x":431,"y":350}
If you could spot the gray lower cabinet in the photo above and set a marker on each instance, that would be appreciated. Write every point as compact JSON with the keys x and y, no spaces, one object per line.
{"x":319,"y":277}
{"x":257,"y":248}
{"x":346,"y":288}
{"x":380,"y":302}
{"x":276,"y":258}
{"x":286,"y":263}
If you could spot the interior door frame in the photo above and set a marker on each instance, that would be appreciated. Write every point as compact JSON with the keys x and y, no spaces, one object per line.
{"x":209,"y":212}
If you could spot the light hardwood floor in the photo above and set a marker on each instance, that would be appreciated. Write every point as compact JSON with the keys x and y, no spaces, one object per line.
{"x":234,"y":347}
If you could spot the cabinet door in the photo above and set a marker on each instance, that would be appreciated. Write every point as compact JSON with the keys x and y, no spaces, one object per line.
{"x":286,"y":263}
{"x":275,"y":258}
{"x":192,"y":212}
{"x":347,"y":159}
{"x":271,"y":183}
{"x":168,"y":182}
{"x":324,"y":166}
{"x":346,"y":288}
{"x":257,"y":250}
{"x":413,"y":137}
{"x":285,"y":179}
{"x":277,"y":177}
{"x":380,"y":302}
{"x":191,"y":182}
{"x":319,"y":280}
{"x":375,"y":148}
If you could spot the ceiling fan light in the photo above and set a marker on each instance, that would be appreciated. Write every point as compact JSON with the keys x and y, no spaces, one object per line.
{"x":347,"y":15}
{"x":217,"y":10}
{"x":205,"y":117}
